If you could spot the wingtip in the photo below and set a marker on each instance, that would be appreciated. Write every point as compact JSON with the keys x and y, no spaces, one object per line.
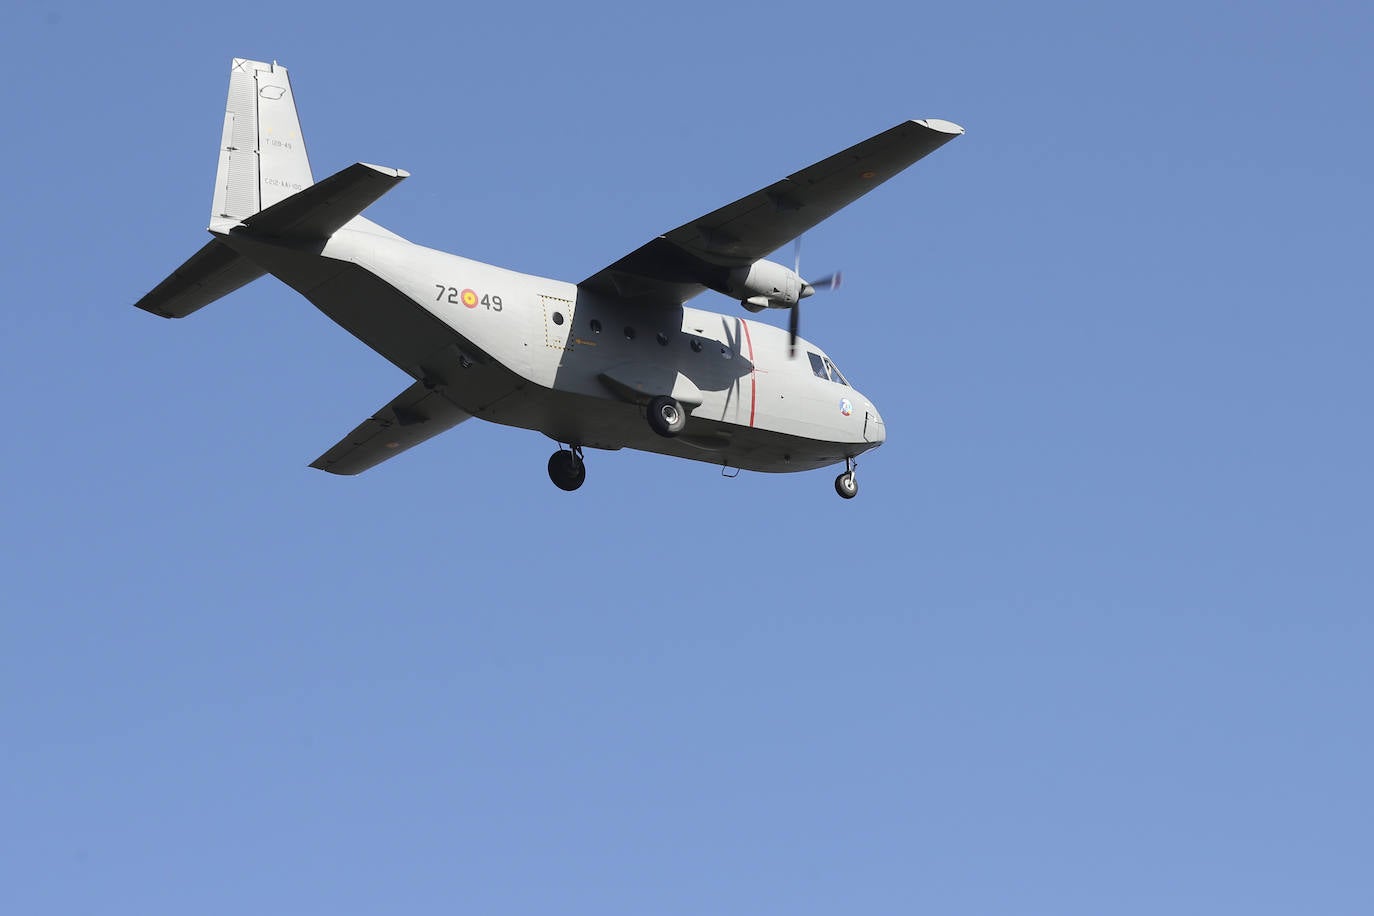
{"x":943,"y":126}
{"x":390,"y":173}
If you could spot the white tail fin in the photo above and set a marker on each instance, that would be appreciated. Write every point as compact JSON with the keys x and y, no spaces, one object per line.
{"x":262,"y":156}
{"x":264,"y":187}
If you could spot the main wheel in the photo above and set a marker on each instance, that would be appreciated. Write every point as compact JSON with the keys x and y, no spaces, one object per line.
{"x":666,"y":416}
{"x":566,"y":470}
{"x":846,"y":485}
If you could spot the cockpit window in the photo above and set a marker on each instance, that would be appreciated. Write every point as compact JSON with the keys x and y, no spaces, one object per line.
{"x":825,"y":369}
{"x":835,"y":374}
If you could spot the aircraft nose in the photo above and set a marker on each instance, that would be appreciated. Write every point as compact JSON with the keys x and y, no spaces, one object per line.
{"x":874,"y":430}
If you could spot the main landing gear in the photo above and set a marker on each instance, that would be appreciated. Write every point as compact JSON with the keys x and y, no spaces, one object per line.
{"x":666,"y":416}
{"x":846,"y":485}
{"x":567,"y":470}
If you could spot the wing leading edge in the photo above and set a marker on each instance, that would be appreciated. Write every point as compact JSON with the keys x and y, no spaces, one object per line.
{"x":677,"y":266}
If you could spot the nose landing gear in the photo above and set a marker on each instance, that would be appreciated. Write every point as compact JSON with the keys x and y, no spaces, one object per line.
{"x":846,"y":485}
{"x":567,"y":469}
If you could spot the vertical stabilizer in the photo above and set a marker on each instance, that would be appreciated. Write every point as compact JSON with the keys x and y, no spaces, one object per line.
{"x":262,"y":154}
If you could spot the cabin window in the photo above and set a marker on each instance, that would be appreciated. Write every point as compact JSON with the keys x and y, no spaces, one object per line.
{"x":596,"y":326}
{"x":629,"y":333}
{"x":696,"y":345}
{"x":558,"y":318}
{"x":662,"y":339}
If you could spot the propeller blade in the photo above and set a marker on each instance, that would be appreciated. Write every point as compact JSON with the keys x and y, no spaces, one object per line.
{"x":828,"y":283}
{"x":793,"y":320}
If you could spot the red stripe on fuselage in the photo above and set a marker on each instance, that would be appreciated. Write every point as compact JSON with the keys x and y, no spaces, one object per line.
{"x":753,"y":377}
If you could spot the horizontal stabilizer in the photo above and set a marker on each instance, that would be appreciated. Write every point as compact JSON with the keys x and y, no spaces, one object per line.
{"x":318,"y":211}
{"x":417,"y":414}
{"x":214,"y":271}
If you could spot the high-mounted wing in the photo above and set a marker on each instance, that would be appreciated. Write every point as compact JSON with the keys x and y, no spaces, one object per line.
{"x":695,"y":256}
{"x":416,"y":414}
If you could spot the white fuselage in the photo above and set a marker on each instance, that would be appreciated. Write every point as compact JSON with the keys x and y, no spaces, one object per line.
{"x":543,"y":354}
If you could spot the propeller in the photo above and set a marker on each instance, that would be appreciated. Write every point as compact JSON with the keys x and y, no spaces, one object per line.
{"x":826,"y":284}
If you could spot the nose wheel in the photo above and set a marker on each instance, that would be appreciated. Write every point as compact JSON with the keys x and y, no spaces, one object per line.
{"x":846,"y":484}
{"x":567,"y":469}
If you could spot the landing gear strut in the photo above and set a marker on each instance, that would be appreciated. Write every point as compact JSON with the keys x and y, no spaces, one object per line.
{"x":566,"y":468}
{"x":846,"y":485}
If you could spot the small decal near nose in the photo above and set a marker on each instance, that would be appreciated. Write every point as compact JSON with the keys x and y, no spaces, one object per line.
{"x":846,"y":408}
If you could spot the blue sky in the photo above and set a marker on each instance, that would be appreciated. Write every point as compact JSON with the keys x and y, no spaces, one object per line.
{"x":1095,"y":636}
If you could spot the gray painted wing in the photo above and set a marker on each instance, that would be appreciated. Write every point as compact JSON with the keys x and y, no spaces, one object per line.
{"x":415,"y":415}
{"x":672,"y":267}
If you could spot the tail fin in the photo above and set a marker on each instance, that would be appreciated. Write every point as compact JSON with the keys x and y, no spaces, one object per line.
{"x":263,"y":186}
{"x":262,"y":156}
{"x":261,"y":162}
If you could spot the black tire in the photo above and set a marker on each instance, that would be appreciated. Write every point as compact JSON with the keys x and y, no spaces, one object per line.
{"x":566,"y":470}
{"x":666,"y":416}
{"x":847,"y":485}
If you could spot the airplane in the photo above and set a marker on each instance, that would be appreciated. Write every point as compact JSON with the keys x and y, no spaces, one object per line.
{"x":616,"y":361}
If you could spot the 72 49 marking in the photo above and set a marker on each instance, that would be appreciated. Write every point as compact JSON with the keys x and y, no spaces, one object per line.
{"x":467,"y":297}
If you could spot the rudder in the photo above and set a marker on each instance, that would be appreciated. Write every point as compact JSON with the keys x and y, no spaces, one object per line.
{"x":262,"y":157}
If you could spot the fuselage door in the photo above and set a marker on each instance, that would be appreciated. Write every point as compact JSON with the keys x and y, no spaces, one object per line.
{"x":558,"y":323}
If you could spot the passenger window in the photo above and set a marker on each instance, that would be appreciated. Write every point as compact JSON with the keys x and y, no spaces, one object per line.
{"x":696,"y":345}
{"x":662,"y":339}
{"x":818,"y":366}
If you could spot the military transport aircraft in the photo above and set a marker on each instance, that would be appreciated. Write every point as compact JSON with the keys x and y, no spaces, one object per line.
{"x":616,"y":361}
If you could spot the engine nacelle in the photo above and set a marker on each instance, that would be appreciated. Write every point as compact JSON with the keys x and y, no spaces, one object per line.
{"x":766,"y":285}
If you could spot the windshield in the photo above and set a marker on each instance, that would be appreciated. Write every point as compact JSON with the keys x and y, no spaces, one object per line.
{"x":824,"y":368}
{"x":835,"y":374}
